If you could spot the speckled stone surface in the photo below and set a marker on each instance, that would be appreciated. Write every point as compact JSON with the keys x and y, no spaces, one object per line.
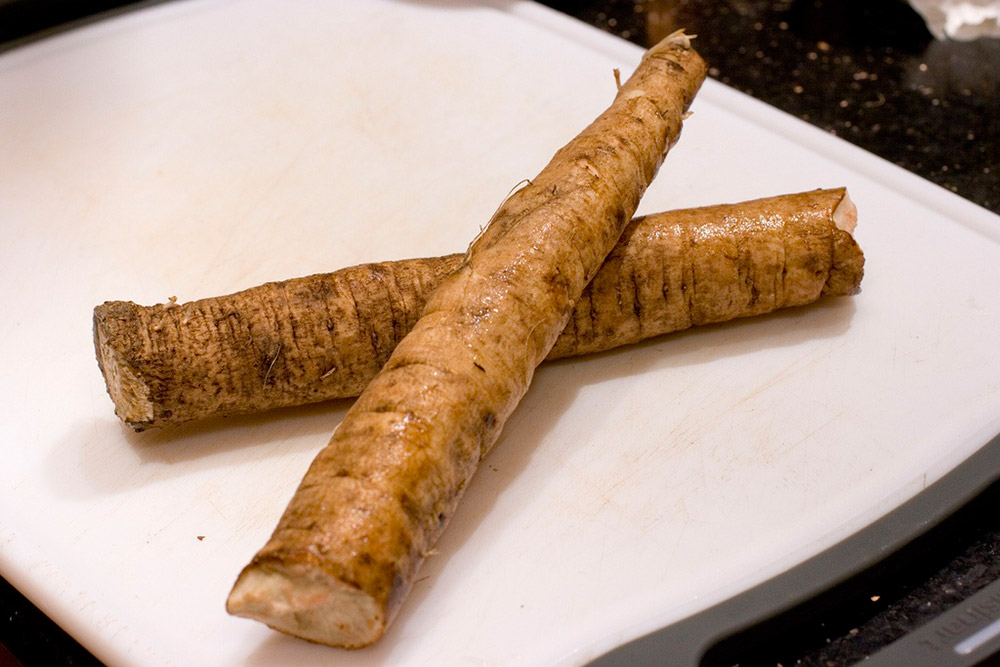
{"x":865,"y":70}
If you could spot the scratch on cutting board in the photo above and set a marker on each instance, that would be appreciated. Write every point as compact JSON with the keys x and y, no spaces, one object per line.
{"x":679,"y":534}
{"x":216,"y":508}
{"x":252,"y":203}
{"x":789,"y":370}
{"x":810,"y":434}
{"x":608,"y":494}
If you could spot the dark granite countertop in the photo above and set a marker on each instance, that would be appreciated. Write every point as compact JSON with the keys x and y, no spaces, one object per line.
{"x":865,"y":70}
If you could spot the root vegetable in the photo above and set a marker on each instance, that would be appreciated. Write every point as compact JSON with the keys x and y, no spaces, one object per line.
{"x":375,"y":500}
{"x":325,"y":336}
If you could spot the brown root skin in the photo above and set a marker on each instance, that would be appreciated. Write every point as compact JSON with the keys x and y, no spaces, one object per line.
{"x":276,"y":345}
{"x":172,"y":363}
{"x":672,"y":271}
{"x":377,"y":497}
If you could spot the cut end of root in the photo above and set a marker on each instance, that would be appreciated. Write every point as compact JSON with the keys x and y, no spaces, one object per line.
{"x":848,"y":261}
{"x":308,"y":605}
{"x":845,"y":216}
{"x":129,"y":393}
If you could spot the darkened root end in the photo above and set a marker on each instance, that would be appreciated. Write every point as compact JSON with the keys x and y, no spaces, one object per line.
{"x":129,"y":393}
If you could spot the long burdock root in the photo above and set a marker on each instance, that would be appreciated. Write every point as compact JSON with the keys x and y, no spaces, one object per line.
{"x":326,"y":336}
{"x":700,"y":266}
{"x":275,"y":345}
{"x":376,"y":499}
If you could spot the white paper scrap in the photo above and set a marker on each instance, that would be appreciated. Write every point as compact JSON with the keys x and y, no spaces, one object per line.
{"x":964,"y":20}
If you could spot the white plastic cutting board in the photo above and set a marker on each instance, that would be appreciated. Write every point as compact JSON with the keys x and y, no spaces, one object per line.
{"x":199,"y":147}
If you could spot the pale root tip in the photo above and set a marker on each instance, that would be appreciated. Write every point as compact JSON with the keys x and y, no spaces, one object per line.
{"x":128,"y":392}
{"x":308,"y":605}
{"x":678,"y":38}
{"x":845,"y":216}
